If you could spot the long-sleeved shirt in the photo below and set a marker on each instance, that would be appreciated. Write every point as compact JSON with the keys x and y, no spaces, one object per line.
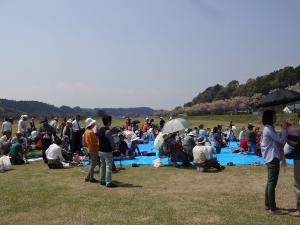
{"x":54,"y":152}
{"x":91,"y":141}
{"x":270,"y":141}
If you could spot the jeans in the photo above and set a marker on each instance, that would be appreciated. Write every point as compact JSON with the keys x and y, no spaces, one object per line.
{"x":273,"y":173}
{"x":106,"y":160}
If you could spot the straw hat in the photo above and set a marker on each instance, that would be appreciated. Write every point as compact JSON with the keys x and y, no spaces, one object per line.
{"x":192,"y":134}
{"x":201,"y":140}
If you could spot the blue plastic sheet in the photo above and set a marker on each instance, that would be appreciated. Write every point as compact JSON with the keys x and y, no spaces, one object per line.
{"x":224,"y":157}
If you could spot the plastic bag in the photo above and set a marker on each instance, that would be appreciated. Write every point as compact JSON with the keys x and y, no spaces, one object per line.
{"x":5,"y":163}
{"x":157,"y":163}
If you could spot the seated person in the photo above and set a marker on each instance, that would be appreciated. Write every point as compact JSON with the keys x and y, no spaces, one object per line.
{"x":123,"y":147}
{"x":203,"y":157}
{"x":54,"y":155}
{"x":22,"y":141}
{"x":16,"y":154}
{"x":189,"y":144}
{"x":179,"y":154}
{"x":5,"y":143}
{"x":167,"y":149}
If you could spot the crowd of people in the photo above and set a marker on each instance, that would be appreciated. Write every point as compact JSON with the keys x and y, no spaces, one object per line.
{"x":195,"y":148}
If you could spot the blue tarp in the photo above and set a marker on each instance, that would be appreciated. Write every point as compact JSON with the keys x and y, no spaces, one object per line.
{"x":225,"y":157}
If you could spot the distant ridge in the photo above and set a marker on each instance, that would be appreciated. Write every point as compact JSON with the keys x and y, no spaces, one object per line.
{"x":39,"y":109}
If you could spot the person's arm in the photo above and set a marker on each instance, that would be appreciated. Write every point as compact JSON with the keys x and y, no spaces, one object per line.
{"x":278,"y":138}
{"x":60,"y":155}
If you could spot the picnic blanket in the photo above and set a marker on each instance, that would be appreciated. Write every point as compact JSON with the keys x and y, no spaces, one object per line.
{"x":226,"y":156}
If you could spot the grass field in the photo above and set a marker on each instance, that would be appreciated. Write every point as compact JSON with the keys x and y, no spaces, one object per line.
{"x":33,"y":194}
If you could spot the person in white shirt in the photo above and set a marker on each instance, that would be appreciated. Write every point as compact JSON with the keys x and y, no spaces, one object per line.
{"x":22,"y":125}
{"x":203,"y":157}
{"x":6,"y":126}
{"x":53,"y":123}
{"x":54,"y":155}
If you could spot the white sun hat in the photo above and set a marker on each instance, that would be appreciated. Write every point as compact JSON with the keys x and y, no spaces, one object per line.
{"x":89,"y":122}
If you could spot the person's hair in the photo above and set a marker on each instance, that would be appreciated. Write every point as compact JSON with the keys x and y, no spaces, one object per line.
{"x":201,"y":126}
{"x":6,"y":119}
{"x":106,"y":120}
{"x":267,"y":118}
{"x":215,"y":130}
{"x":58,"y":141}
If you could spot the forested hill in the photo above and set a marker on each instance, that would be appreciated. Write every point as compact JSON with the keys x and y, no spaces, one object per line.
{"x":39,"y":109}
{"x":263,"y":84}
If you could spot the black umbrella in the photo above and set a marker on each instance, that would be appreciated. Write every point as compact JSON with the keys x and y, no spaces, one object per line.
{"x":279,"y":97}
{"x":116,"y":130}
{"x":136,"y":122}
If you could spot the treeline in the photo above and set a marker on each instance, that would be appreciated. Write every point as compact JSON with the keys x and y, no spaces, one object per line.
{"x":12,"y":108}
{"x":282,"y":78}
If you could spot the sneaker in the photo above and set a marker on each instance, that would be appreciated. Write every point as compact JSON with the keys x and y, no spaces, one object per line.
{"x":277,"y":212}
{"x":86,"y":179}
{"x":102,"y":183}
{"x":295,"y":214}
{"x":111,"y":185}
{"x":93,"y":180}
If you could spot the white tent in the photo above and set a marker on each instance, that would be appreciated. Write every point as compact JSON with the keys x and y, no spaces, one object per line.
{"x":287,"y":110}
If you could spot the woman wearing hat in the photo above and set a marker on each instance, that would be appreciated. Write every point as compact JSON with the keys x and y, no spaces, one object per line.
{"x":91,"y":142}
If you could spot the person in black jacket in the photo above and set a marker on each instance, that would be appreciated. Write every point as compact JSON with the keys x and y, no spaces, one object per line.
{"x":106,"y":147}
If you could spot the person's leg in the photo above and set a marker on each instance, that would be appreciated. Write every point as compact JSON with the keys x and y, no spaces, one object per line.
{"x":93,"y":164}
{"x":273,"y":173}
{"x":102,"y":168}
{"x":108,"y":161}
{"x":213,"y":163}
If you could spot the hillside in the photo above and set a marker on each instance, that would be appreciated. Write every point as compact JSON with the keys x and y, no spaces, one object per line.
{"x":39,"y":109}
{"x":282,"y":78}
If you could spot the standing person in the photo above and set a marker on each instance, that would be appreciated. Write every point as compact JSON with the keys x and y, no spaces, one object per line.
{"x":22,"y":125}
{"x":6,"y":126}
{"x":62,"y":126}
{"x":217,"y":139}
{"x":161,"y":123}
{"x":270,"y":149}
{"x":67,"y":133}
{"x":53,"y":124}
{"x":46,"y":132}
{"x":76,"y":135}
{"x":91,"y":141}
{"x":107,"y":146}
{"x":32,"y":124}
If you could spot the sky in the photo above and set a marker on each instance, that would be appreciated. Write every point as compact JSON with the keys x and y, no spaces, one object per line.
{"x":131,"y":53}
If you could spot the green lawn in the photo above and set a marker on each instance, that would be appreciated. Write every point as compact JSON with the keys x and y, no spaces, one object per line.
{"x":33,"y":194}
